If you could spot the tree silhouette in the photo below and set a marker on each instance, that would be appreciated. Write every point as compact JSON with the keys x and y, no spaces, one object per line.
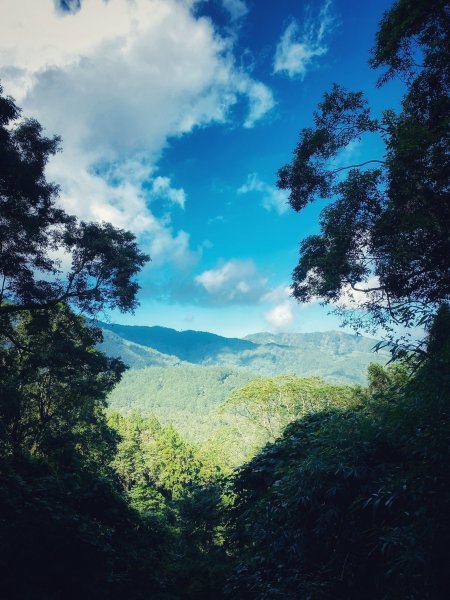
{"x":33,"y":229}
{"x":384,"y":244}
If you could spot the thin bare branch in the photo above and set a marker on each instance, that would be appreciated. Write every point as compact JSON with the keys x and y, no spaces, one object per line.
{"x":367,"y":162}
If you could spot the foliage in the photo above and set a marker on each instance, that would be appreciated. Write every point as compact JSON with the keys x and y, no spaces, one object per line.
{"x":205,"y":563}
{"x":72,"y":535}
{"x":228,"y":412}
{"x":271,"y":403}
{"x":353,"y":501}
{"x":350,"y":501}
{"x":66,"y":529}
{"x":166,"y":476}
{"x":385,"y":234}
{"x":33,"y":230}
{"x":53,"y":389}
{"x":151,"y":456}
{"x":185,"y":396}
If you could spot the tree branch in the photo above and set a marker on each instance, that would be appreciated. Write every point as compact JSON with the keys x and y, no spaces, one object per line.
{"x":367,"y":290}
{"x":381,"y":162}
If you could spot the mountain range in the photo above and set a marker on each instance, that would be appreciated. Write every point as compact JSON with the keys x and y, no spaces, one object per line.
{"x":182,"y":377}
{"x":334,"y":356}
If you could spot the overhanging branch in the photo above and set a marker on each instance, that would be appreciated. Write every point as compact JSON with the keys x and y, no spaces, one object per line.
{"x":367,"y":162}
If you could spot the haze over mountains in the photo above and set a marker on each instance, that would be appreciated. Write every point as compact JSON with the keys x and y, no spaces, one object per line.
{"x":333,"y":355}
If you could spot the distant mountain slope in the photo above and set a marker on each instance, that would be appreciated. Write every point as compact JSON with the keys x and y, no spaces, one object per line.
{"x":187,"y":394}
{"x":135,"y":355}
{"x":332,"y":355}
{"x":271,"y":359}
{"x":192,"y":346}
{"x":332,"y":342}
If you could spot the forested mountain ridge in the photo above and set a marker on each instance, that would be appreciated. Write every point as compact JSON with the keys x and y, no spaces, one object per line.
{"x":333,"y":342}
{"x":136,"y":356}
{"x":333,"y":355}
{"x":192,"y":346}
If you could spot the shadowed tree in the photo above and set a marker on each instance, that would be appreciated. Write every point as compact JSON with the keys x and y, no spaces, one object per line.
{"x":66,"y":529}
{"x":34,"y":230}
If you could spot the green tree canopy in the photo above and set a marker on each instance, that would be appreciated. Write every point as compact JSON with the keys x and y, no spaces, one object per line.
{"x":66,"y":528}
{"x":270,"y":403}
{"x":53,"y":389}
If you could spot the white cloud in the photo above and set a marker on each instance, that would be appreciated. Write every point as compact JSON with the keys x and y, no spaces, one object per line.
{"x":297,"y":49}
{"x":117,"y":80}
{"x":281,"y":316}
{"x":357,"y":298}
{"x":277,"y":294}
{"x":261,"y":101}
{"x":234,"y":282}
{"x":236,"y":8}
{"x":124,"y":203}
{"x":284,"y":314}
{"x":272,"y":197}
{"x":138,"y":73}
{"x":162,"y":187}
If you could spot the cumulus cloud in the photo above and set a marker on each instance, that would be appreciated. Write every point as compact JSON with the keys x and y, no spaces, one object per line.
{"x":280,"y":316}
{"x":234,"y":282}
{"x":272,"y":197}
{"x":356,"y":297}
{"x":277,"y":294}
{"x":162,"y":187}
{"x":297,"y":48}
{"x":137,"y":72}
{"x":125,"y":202}
{"x":236,"y":8}
{"x":261,"y":101}
{"x":117,"y":80}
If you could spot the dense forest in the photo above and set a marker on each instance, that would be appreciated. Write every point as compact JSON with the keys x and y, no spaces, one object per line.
{"x":304,"y":488}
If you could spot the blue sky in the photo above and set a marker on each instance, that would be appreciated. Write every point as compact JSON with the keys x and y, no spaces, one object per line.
{"x":175,"y":116}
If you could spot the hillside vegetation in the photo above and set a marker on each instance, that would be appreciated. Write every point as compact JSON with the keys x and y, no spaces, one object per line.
{"x":191,"y":346}
{"x":186,"y":396}
{"x":135,"y":355}
{"x":334,"y":356}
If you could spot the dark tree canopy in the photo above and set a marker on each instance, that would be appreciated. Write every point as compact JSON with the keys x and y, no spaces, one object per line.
{"x":66,"y":528}
{"x":386,"y":233}
{"x":53,"y":388}
{"x":352,"y":502}
{"x":33,"y":229}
